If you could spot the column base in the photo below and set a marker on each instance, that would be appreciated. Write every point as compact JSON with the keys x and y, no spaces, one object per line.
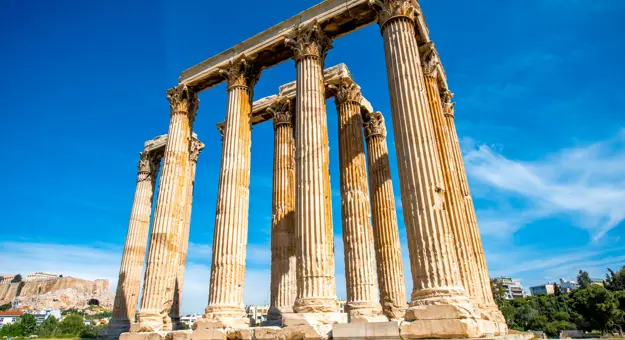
{"x":231,"y":316}
{"x":151,"y":322}
{"x":393,"y":311}
{"x":171,"y":335}
{"x":221,"y":328}
{"x":495,"y":315}
{"x":113,"y":331}
{"x":364,"y":312}
{"x":316,"y":305}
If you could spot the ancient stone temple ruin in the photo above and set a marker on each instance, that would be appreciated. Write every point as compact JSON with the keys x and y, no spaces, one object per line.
{"x":451,"y":295}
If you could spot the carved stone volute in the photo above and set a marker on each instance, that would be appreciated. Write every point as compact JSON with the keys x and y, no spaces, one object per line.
{"x":282,"y":112}
{"x":183,"y":100}
{"x":448,"y":105}
{"x":241,"y":74}
{"x":429,"y":60}
{"x":389,"y":10}
{"x":309,"y":41}
{"x":195,"y":148}
{"x":346,"y":91}
{"x":373,"y":124}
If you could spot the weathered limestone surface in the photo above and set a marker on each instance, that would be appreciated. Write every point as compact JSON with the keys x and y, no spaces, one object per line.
{"x":316,"y":288}
{"x":453,"y":201}
{"x":483,"y":279}
{"x":129,"y":283}
{"x":438,"y":303}
{"x":360,"y":271}
{"x":385,"y":230}
{"x":196,"y":147}
{"x":162,"y":262}
{"x":230,"y":235}
{"x":283,"y":257}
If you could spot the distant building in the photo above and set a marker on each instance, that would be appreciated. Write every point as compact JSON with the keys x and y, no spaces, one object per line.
{"x":40,"y":276}
{"x":548,"y":288}
{"x":45,"y":313}
{"x":512,"y":288}
{"x":9,"y":317}
{"x":341,"y":304}
{"x":567,"y":286}
{"x":598,"y":282}
{"x":257,"y":314}
{"x":6,"y":278}
{"x":190,"y":319}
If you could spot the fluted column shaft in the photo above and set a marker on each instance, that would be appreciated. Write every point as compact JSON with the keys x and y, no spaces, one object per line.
{"x":483,"y":279}
{"x":384,"y":216}
{"x":163,"y":254}
{"x":283,"y":257}
{"x":454,"y":203}
{"x":196,"y":148}
{"x":231,"y":222}
{"x":316,"y":287}
{"x":360,"y":271}
{"x":129,"y":283}
{"x":437,"y":288}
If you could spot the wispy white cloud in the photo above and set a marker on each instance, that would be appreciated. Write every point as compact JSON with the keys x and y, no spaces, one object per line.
{"x":585,"y":183}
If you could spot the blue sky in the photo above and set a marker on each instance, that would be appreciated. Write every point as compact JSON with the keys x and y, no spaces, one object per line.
{"x":539,"y":91}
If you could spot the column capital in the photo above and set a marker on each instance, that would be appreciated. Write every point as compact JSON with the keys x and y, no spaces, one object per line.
{"x":241,"y":74}
{"x":195,"y":148}
{"x":448,"y":105}
{"x":183,"y":100}
{"x":309,"y":41}
{"x":429,"y":61}
{"x":282,"y":111}
{"x":389,"y":10}
{"x":374,"y":125}
{"x":149,"y":163}
{"x":346,"y":91}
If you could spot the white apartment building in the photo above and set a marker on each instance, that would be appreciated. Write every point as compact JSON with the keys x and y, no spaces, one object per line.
{"x":190,"y":319}
{"x":512,"y":287}
{"x":7,"y":278}
{"x":45,"y":313}
{"x":257,"y":314}
{"x":9,"y":317}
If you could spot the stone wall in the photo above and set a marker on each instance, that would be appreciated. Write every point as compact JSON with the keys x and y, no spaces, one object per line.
{"x":62,"y":293}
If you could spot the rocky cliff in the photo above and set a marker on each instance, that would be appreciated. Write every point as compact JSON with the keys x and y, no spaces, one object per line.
{"x":61,"y":293}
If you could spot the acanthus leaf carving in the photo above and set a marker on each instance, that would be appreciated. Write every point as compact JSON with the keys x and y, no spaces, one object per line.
{"x":241,"y":74}
{"x":309,"y":41}
{"x":195,"y":148}
{"x":373,"y":124}
{"x":429,"y":60}
{"x":393,"y":9}
{"x":183,"y":100}
{"x":282,"y":112}
{"x":346,"y":91}
{"x":448,"y":105}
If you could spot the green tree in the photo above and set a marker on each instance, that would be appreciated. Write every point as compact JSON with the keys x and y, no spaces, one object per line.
{"x":89,"y":332}
{"x":5,"y":307}
{"x":597,"y":306}
{"x":17,"y":278}
{"x":499,"y":293}
{"x":583,"y":279}
{"x":538,"y":323}
{"x":49,"y":327}
{"x":71,"y":325}
{"x":524,"y":316}
{"x":615,"y":281}
{"x":562,"y":316}
{"x":27,"y":325}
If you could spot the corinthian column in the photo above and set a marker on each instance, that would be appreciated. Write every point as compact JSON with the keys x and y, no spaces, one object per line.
{"x":385,"y":229}
{"x":230,"y":238}
{"x":194,"y":153}
{"x":454,"y":202}
{"x":162,"y":262}
{"x":482,"y":283}
{"x":439,"y":306}
{"x":362,"y":287}
{"x":128,"y":285}
{"x":316,"y":288}
{"x":283,"y":260}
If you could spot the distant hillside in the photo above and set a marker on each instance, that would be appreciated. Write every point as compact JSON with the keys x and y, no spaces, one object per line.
{"x":61,"y":293}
